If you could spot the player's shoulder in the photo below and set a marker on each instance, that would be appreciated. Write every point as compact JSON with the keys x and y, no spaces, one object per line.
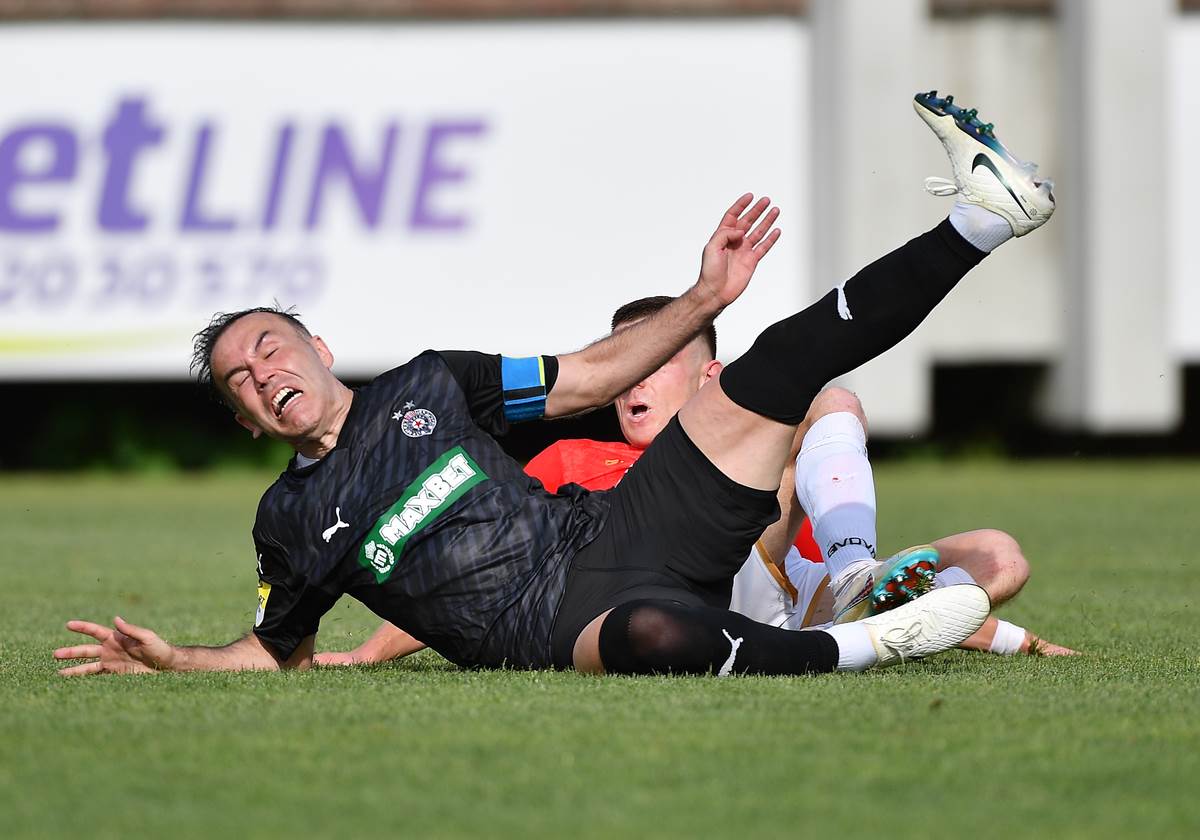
{"x":418,"y":365}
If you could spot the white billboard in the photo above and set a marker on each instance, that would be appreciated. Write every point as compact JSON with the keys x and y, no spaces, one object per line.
{"x":500,"y":187}
{"x":1183,"y":177}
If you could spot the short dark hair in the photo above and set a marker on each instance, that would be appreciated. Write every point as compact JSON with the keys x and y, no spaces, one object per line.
{"x":205,"y":340}
{"x":635,"y":310}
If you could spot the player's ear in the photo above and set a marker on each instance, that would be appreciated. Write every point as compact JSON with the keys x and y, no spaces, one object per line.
{"x":323,"y":351}
{"x":249,"y":425}
{"x":710,"y":370}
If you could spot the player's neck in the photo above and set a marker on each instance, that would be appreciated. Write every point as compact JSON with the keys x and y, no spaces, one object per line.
{"x":326,"y":439}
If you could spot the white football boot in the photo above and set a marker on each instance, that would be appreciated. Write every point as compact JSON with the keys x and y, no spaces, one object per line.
{"x":930,"y":624}
{"x":985,"y":172}
{"x":885,"y":585}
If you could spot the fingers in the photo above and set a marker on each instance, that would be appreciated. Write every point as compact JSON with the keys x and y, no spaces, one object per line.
{"x":82,"y":670}
{"x":746,"y":222}
{"x":725,"y":237}
{"x":760,"y":231}
{"x":78,"y":652}
{"x":1051,"y":649}
{"x":140,"y":634}
{"x":732,"y":239}
{"x":331,"y":659}
{"x":767,"y":244}
{"x":751,"y":216}
{"x":97,"y":631}
{"x":730,"y":219}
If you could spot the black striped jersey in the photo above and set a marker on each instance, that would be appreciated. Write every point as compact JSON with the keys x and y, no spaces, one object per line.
{"x":419,"y":514}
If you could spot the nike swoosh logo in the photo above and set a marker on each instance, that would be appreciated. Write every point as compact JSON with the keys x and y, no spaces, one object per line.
{"x":983,"y":160}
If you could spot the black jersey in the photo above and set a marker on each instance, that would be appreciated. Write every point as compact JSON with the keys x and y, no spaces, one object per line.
{"x":419,"y":514}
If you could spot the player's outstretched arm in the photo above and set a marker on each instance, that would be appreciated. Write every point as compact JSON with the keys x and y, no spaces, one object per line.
{"x":595,"y":375}
{"x":387,"y":643}
{"x":126,"y":648}
{"x":1031,"y":644}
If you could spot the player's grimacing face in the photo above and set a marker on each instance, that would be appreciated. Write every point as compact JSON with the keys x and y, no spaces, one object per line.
{"x":645,"y":409}
{"x":277,"y":379}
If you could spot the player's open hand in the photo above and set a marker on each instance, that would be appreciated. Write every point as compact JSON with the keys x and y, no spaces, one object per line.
{"x":733,"y":252}
{"x":1040,"y":647}
{"x":122,"y":649}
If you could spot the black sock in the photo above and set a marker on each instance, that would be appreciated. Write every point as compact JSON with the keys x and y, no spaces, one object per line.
{"x":794,"y":359}
{"x":666,"y":637}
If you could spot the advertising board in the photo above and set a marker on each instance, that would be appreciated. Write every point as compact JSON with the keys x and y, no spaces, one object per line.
{"x":500,"y":187}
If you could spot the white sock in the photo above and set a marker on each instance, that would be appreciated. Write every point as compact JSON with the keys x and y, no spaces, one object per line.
{"x":952,"y":576}
{"x":982,"y":228}
{"x":1008,"y":639}
{"x":836,"y":488}
{"x":856,"y":652}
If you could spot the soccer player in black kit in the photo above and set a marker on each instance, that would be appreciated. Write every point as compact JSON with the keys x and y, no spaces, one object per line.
{"x":399,"y":495}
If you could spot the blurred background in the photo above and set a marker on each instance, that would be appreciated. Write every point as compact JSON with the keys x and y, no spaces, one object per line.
{"x":502,"y":174}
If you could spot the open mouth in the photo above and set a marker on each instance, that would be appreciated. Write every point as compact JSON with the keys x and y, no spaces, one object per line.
{"x":638,"y":410}
{"x":282,"y":397}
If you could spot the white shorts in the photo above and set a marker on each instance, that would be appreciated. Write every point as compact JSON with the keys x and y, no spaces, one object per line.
{"x":763,"y":593}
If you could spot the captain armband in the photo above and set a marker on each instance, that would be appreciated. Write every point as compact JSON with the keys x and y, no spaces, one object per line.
{"x":524,"y":385}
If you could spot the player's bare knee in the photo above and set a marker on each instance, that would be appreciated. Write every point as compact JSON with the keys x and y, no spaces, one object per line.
{"x":1006,"y":559}
{"x":653,"y":631}
{"x":833,"y":400}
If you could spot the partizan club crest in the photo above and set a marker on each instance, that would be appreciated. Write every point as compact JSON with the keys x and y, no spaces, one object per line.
{"x":416,"y":422}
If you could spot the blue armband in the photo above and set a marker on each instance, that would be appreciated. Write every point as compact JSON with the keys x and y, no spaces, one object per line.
{"x":524,"y":385}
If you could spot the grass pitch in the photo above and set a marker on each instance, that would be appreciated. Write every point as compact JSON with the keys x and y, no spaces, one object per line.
{"x":962,"y":745}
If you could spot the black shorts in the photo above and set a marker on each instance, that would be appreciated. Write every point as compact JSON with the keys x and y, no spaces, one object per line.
{"x":678,"y":529}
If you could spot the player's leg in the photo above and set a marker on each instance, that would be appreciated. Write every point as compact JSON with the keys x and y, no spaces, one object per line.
{"x":776,"y":582}
{"x":762,"y":591}
{"x":986,"y":557}
{"x":663,"y":636}
{"x":814,"y":599}
{"x":777,"y":541}
{"x":677,"y":531}
{"x":743,"y":422}
{"x":835,"y":485}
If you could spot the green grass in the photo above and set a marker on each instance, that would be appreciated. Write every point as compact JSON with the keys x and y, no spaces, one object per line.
{"x":962,"y":745}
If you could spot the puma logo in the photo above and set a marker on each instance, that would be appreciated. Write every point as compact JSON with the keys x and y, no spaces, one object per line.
{"x":328,"y":533}
{"x":727,"y":668}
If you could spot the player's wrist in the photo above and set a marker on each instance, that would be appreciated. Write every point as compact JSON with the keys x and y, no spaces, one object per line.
{"x":171,"y":660}
{"x":706,"y":301}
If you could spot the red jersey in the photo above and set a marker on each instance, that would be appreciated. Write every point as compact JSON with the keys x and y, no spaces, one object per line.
{"x":600,"y":465}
